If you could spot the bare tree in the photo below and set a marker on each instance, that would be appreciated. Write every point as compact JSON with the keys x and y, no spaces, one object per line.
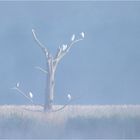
{"x":51,"y":65}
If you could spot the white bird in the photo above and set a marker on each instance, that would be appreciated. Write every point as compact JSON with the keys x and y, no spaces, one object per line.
{"x":64,"y":47}
{"x":30,"y":94}
{"x":83,"y":34}
{"x":69,"y":96}
{"x":17,"y":85}
{"x":73,"y":37}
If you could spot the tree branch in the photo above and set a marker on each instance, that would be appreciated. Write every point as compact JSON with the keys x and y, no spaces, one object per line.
{"x":41,"y":69}
{"x":61,"y":53}
{"x":20,"y":91}
{"x":44,"y":49}
{"x":64,"y":105}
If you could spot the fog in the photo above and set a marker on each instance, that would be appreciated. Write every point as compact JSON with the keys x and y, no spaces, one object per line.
{"x":84,"y":122}
{"x":102,"y":69}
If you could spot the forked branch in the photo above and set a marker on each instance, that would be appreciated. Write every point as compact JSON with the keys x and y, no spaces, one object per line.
{"x":29,"y":98}
{"x":21,"y":92}
{"x":62,"y":51}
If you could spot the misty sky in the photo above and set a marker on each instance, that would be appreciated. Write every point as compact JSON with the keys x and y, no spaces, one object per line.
{"x":104,"y":68}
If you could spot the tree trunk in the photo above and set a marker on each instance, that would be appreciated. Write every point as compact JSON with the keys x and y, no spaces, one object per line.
{"x":49,"y":93}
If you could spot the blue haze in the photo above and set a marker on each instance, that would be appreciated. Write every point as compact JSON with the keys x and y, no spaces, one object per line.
{"x":102,"y":69}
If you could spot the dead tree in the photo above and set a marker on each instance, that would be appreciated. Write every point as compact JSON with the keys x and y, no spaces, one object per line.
{"x":51,"y":65}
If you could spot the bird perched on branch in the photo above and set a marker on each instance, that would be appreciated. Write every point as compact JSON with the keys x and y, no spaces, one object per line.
{"x":30,"y":94}
{"x":69,"y":96}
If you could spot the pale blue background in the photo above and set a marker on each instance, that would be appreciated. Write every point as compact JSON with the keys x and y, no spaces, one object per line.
{"x":102,"y":69}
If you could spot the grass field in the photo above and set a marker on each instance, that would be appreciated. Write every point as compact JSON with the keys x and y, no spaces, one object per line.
{"x":118,"y":121}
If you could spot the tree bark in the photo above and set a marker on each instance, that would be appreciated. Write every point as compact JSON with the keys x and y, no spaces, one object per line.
{"x":49,"y":93}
